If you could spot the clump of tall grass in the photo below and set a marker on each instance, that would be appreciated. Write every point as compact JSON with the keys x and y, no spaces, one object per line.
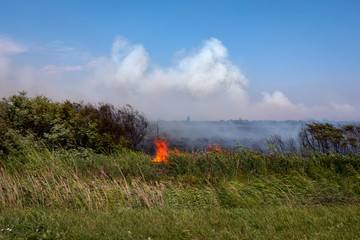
{"x":217,"y":165}
{"x":74,"y":179}
{"x":85,"y":162}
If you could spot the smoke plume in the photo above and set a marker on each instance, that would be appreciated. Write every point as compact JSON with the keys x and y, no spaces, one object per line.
{"x":203,"y":84}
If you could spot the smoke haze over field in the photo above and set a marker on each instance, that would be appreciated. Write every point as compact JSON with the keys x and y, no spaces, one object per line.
{"x":202,"y":83}
{"x":210,"y":60}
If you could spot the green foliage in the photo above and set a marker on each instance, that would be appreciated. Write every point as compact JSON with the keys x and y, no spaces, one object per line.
{"x":180,"y":197}
{"x":326,"y":138}
{"x":215,"y":166}
{"x":125,"y":195}
{"x":39,"y":122}
{"x":275,"y":222}
{"x":83,"y":179}
{"x":78,"y":158}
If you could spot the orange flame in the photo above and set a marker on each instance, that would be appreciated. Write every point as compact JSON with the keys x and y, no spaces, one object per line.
{"x":214,"y":147}
{"x":161,"y":151}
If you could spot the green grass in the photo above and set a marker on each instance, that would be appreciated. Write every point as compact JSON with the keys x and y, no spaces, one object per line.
{"x":204,"y":195}
{"x":315,"y":222}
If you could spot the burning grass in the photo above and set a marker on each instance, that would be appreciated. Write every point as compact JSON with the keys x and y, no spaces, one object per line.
{"x":262,"y":192}
{"x":209,"y":179}
{"x":162,"y":151}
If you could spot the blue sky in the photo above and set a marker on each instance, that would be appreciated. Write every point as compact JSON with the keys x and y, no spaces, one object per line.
{"x":292,"y":59}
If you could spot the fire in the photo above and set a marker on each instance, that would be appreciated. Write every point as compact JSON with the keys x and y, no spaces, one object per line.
{"x":161,"y":151}
{"x":214,"y":147}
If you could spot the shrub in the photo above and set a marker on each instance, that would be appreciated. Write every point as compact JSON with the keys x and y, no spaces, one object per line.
{"x":40,"y":122}
{"x":327,"y":138}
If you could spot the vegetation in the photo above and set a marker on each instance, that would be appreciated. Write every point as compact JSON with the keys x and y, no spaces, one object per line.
{"x":284,"y":222}
{"x":71,"y":171}
{"x":216,"y":179}
{"x":68,"y":125}
{"x":326,"y":138}
{"x":320,"y":137}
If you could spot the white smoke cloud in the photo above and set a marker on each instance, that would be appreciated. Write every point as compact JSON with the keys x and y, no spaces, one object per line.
{"x":277,"y":106}
{"x":201,"y":84}
{"x":277,"y":99}
{"x":204,"y":84}
{"x":130,"y":63}
{"x":206,"y":71}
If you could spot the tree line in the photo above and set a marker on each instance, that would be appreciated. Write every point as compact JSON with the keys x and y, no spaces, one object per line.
{"x":41,"y":122}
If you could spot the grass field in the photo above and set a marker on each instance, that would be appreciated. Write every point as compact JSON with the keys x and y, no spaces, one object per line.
{"x":276,"y":222}
{"x":217,"y":194}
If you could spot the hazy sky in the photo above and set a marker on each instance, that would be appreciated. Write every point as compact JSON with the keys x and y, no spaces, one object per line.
{"x":210,"y":60}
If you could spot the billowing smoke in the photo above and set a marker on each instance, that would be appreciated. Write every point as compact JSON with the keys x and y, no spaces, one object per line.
{"x":202,"y":73}
{"x":206,"y":71}
{"x":203,"y":84}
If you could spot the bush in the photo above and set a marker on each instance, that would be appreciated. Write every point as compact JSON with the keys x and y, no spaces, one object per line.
{"x":327,"y":138}
{"x":40,"y":122}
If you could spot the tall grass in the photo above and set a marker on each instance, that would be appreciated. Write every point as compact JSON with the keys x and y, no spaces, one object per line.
{"x":212,"y":180}
{"x":220,"y":165}
{"x":284,"y":222}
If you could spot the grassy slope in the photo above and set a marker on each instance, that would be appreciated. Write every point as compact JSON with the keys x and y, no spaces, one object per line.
{"x":207,"y":195}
